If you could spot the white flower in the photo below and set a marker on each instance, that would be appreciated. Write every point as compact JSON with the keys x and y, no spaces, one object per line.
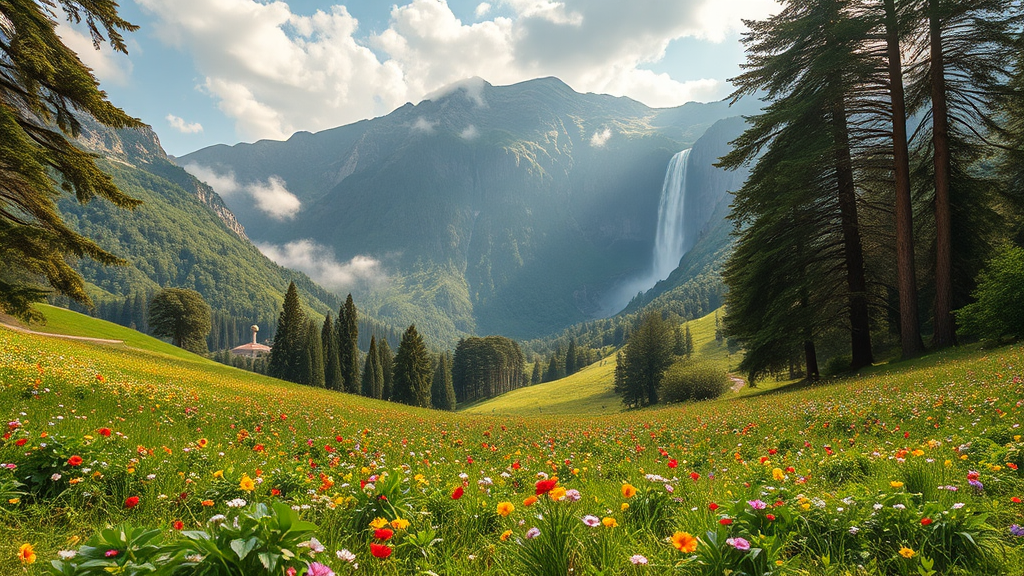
{"x":55,"y":477}
{"x":345,"y":556}
{"x":464,"y":476}
{"x":958,"y":505}
{"x":591,"y":520}
{"x":67,"y":554}
{"x":638,"y":559}
{"x":219,"y":518}
{"x":854,"y":530}
{"x":236,"y":503}
{"x":877,"y":506}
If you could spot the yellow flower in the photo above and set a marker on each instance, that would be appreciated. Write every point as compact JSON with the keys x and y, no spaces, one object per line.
{"x":907,"y":552}
{"x":684,"y":542}
{"x":505,"y":508}
{"x":896,"y":484}
{"x":557,"y":493}
{"x":918,"y":452}
{"x":628,"y":491}
{"x":609,"y":522}
{"x":246,"y":483}
{"x":399,"y":523}
{"x":778,"y":475}
{"x":505,"y":535}
{"x":378,"y":523}
{"x":218,"y":474}
{"x":26,"y":554}
{"x":14,"y":501}
{"x":624,"y":506}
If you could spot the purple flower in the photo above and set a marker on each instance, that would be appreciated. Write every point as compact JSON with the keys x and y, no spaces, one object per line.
{"x":757,"y":504}
{"x":532,"y":533}
{"x":572,"y":495}
{"x":1016,"y":530}
{"x":318,"y":569}
{"x":591,"y":520}
{"x":638,"y":559}
{"x":976,"y":485}
{"x":739,"y":543}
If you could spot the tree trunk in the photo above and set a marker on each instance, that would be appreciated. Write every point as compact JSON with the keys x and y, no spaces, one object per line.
{"x":811,"y":356}
{"x":910,"y":330}
{"x":944,"y":333}
{"x":860,"y":329}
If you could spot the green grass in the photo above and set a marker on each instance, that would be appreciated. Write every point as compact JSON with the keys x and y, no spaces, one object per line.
{"x":187,"y":431}
{"x":63,"y":321}
{"x":589,"y":391}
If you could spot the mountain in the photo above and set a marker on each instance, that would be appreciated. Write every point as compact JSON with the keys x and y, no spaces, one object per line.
{"x":183,"y":235}
{"x":515,"y":210}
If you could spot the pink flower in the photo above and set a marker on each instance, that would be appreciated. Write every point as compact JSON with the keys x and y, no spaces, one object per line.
{"x":739,"y":544}
{"x":591,"y":520}
{"x":318,"y":569}
{"x":638,"y":559}
{"x":532,"y":533}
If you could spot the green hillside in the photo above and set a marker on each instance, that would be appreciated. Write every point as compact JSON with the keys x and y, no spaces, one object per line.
{"x":589,"y":391}
{"x":101,"y":435}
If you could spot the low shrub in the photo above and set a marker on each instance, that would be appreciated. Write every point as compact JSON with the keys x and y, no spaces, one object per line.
{"x":693,"y":381}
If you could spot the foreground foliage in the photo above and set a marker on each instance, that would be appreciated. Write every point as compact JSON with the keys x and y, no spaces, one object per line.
{"x":910,"y":469}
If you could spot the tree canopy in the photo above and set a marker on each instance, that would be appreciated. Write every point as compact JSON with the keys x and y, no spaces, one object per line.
{"x":181,"y":315}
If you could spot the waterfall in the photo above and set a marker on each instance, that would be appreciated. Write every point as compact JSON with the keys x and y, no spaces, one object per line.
{"x":668,"y":244}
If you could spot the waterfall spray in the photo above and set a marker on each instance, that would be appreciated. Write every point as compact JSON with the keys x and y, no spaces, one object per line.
{"x":668,"y":244}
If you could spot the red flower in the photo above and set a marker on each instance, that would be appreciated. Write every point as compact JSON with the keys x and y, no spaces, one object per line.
{"x":516,"y":465}
{"x":773,"y":451}
{"x":725,"y":521}
{"x":712,"y":506}
{"x":972,"y":475}
{"x":926,"y":521}
{"x":1015,"y":500}
{"x":694,"y":476}
{"x":131,"y":502}
{"x":104,"y":432}
{"x":545,"y":486}
{"x":20,"y":441}
{"x":383,"y":534}
{"x":339,"y":439}
{"x":457,"y":493}
{"x":770,"y":517}
{"x":275,"y":492}
{"x":673,"y":463}
{"x":1011,"y":465}
{"x":380,"y":550}
{"x":75,"y":460}
{"x":111,"y":553}
{"x":178,"y":525}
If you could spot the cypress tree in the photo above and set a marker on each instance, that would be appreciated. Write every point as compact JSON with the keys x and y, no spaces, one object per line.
{"x":387,"y":369}
{"x":373,"y":374}
{"x":314,"y":355}
{"x":537,"y":374}
{"x":332,"y":361}
{"x":442,"y":392}
{"x":571,"y":361}
{"x":348,"y":345}
{"x":413,"y":371}
{"x":286,"y":354}
{"x":687,"y":341}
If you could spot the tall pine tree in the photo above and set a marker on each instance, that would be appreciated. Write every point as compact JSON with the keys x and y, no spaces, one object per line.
{"x":348,"y":345}
{"x":442,"y":393}
{"x":313,"y":355}
{"x":332,"y":360}
{"x":287,"y":353}
{"x":413,"y":371}
{"x":387,"y":368}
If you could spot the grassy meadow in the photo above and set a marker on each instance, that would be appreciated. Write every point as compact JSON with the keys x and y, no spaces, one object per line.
{"x":904,"y":469}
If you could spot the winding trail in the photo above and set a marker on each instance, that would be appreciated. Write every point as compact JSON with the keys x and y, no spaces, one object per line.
{"x":64,"y":336}
{"x":737,"y":383}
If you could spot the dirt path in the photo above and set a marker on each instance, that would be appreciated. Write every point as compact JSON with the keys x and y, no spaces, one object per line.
{"x":737,"y":383}
{"x":64,"y":336}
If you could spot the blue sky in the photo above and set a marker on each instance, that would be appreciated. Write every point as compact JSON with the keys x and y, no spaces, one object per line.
{"x":203,"y":72}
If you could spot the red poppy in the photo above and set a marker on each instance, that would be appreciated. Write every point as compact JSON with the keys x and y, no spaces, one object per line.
{"x":20,"y":441}
{"x":104,"y":432}
{"x":380,"y":550}
{"x":926,"y":521}
{"x":770,"y":517}
{"x":275,"y":492}
{"x":545,"y":486}
{"x":673,"y":463}
{"x":457,"y":493}
{"x":1015,"y":500}
{"x":75,"y":460}
{"x":131,"y":502}
{"x":516,"y":465}
{"x":712,"y":506}
{"x":383,"y":534}
{"x":694,"y":476}
{"x":725,"y":521}
{"x":178,"y":525}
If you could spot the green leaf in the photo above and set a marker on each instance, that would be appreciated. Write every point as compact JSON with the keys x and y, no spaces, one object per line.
{"x":242,"y":548}
{"x":269,"y":560}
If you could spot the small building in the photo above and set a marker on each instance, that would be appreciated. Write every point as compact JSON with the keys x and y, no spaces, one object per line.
{"x":252,"y":349}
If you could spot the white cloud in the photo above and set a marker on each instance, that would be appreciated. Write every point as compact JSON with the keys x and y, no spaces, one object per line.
{"x":182,"y":126}
{"x":599,"y":139}
{"x":319,"y":263}
{"x":470,"y":133}
{"x":275,"y":71}
{"x":108,"y":66}
{"x":271,"y":197}
{"x":423,"y":125}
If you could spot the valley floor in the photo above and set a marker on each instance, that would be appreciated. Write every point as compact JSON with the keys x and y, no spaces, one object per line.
{"x":887,"y":470}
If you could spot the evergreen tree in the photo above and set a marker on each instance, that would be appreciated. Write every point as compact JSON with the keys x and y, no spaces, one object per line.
{"x":643,"y":361}
{"x":45,"y":90}
{"x":413,"y":371}
{"x":183,"y":316}
{"x":688,"y":342}
{"x":332,"y":360}
{"x":442,"y":393}
{"x":551,"y":374}
{"x":387,"y":368}
{"x":572,"y":364}
{"x":537,"y":374}
{"x":313,"y":353}
{"x":348,"y":345}
{"x":373,"y":374}
{"x":286,"y":354}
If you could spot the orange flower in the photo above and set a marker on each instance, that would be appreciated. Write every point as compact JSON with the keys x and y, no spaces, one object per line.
{"x":684,"y":542}
{"x":26,"y":554}
{"x":628,"y":491}
{"x":530,"y":501}
{"x":505,"y":508}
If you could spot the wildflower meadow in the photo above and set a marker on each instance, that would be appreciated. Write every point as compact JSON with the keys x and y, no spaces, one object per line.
{"x":119,"y":461}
